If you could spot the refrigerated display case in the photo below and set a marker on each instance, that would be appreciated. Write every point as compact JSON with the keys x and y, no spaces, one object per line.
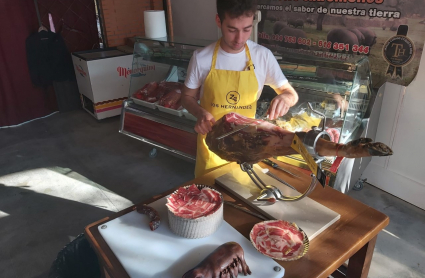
{"x":163,"y":63}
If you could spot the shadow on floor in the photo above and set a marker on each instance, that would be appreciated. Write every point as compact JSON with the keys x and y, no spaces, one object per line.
{"x":34,"y":227}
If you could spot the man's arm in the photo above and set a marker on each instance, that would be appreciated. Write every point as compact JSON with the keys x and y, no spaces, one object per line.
{"x":205,"y":119}
{"x":286,"y":98}
{"x":286,"y":95}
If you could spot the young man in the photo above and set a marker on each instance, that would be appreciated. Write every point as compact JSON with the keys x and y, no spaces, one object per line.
{"x":231,"y":74}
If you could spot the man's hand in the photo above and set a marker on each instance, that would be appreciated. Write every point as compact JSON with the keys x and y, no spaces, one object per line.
{"x":204,"y":123}
{"x":279,"y":106}
{"x":341,"y":102}
{"x":205,"y":119}
{"x":286,"y":98}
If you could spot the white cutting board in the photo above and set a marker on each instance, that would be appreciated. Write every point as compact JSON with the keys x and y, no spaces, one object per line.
{"x":162,"y":254}
{"x":308,"y":214}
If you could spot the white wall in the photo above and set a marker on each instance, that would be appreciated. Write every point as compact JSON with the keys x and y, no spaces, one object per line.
{"x":402,"y":127}
{"x":194,"y":19}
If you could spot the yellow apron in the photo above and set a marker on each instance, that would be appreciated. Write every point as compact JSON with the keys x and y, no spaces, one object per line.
{"x":225,"y":91}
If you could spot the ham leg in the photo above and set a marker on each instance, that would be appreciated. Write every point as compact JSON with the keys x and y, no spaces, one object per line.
{"x":261,"y":139}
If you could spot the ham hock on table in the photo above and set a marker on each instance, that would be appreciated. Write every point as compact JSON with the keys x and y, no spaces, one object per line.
{"x":228,"y":260}
{"x":262,"y":139}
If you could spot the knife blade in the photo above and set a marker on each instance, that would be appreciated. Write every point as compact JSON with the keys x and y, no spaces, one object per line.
{"x":268,"y":173}
{"x":245,"y":210}
{"x":263,"y":117}
{"x":239,"y":128}
{"x":274,"y":165}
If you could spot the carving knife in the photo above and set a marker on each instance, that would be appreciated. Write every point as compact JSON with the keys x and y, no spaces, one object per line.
{"x":274,"y":165}
{"x":264,"y":117}
{"x":233,"y":131}
{"x":268,"y":173}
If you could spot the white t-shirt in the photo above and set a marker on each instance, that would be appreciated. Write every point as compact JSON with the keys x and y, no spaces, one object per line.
{"x":267,"y":70}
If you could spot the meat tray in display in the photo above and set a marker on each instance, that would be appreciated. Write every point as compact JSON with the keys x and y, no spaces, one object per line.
{"x":148,"y":92}
{"x":154,"y":91}
{"x":279,"y":240}
{"x":165,"y":88}
{"x":171,"y":100}
{"x":195,"y":211}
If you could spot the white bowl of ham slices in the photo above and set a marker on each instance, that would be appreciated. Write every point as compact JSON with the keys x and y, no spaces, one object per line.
{"x":279,"y":240}
{"x":195,"y":211}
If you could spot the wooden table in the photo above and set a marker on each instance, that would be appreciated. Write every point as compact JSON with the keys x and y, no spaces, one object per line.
{"x":352,"y":237}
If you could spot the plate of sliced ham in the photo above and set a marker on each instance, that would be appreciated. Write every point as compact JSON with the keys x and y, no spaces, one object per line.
{"x":195,"y":211}
{"x":279,"y":240}
{"x":194,"y":201}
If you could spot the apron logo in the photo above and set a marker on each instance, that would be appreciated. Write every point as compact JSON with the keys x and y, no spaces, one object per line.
{"x":233,"y":97}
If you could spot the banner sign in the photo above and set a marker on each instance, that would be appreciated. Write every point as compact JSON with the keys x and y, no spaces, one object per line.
{"x":390,"y":32}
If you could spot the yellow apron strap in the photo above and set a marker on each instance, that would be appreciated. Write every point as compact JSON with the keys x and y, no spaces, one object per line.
{"x":250,"y":64}
{"x":214,"y":59}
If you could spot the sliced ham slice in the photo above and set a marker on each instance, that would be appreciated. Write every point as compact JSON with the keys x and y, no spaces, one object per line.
{"x":278,"y":239}
{"x":191,"y":202}
{"x":154,"y":91}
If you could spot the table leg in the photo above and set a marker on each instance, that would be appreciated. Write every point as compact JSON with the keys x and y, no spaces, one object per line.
{"x":359,"y":263}
{"x":104,"y":273}
{"x":341,"y":272}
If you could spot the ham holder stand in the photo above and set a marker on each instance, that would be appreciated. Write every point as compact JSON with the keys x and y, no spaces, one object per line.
{"x":270,"y":193}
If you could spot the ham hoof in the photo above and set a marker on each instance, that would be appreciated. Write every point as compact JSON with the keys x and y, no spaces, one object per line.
{"x":227,"y":260}
{"x":374,"y":149}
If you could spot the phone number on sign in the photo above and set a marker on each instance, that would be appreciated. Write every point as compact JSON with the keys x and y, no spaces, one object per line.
{"x":322,"y":44}
{"x":343,"y":46}
{"x":288,"y":39}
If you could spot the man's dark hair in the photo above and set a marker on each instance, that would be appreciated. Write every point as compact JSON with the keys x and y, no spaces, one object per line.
{"x":236,"y":8}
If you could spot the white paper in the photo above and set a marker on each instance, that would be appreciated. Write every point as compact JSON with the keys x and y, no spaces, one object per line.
{"x":155,"y":24}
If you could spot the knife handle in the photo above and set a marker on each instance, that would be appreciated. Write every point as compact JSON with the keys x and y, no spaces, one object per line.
{"x":271,"y":163}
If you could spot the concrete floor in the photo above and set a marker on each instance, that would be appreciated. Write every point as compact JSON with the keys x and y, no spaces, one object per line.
{"x":61,"y":173}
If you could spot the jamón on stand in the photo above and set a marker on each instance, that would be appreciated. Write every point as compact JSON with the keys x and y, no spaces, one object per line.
{"x":262,"y":139}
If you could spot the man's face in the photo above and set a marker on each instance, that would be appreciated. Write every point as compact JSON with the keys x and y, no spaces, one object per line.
{"x":235,"y":32}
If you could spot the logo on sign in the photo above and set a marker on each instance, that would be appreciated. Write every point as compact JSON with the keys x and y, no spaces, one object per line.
{"x":233,"y":97}
{"x":398,"y":51}
{"x":80,"y":70}
{"x":140,"y":71}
